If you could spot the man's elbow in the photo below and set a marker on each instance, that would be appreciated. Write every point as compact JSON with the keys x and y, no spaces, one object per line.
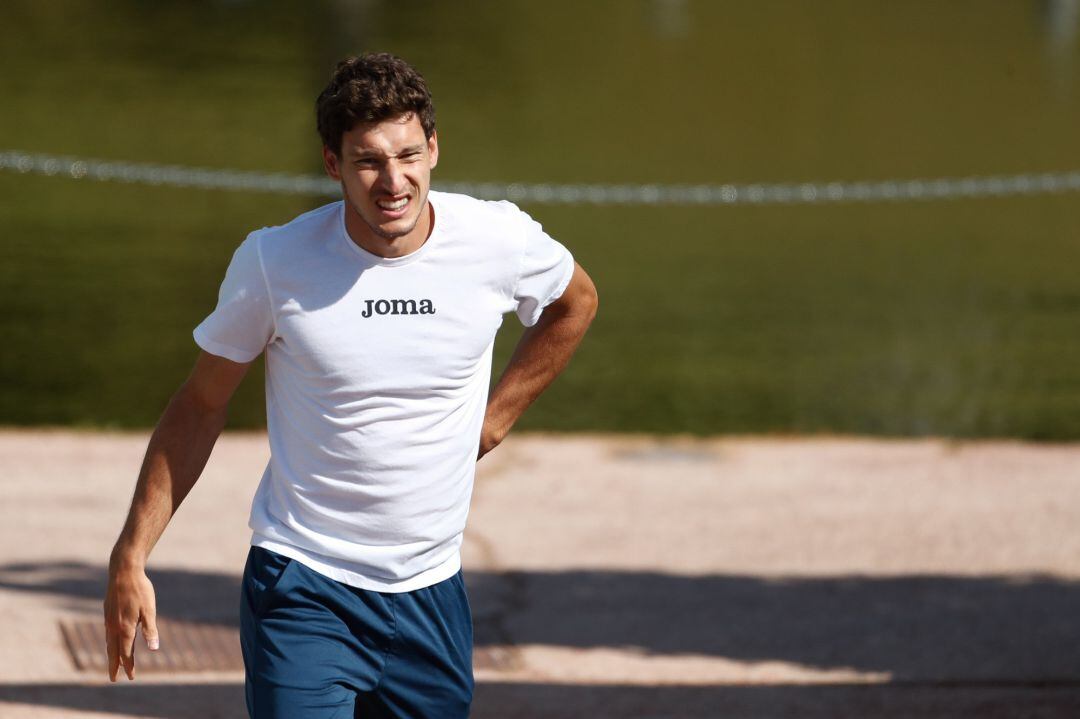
{"x":581,"y":298}
{"x":591,"y":303}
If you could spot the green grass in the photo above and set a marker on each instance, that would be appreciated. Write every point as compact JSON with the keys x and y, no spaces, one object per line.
{"x":945,"y":318}
{"x":927,"y":319}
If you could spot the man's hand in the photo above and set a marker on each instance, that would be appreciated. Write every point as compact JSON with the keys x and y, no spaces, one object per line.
{"x":129,"y":602}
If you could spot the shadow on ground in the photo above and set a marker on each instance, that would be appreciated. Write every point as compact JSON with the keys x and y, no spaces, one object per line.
{"x":548,"y":701}
{"x":916,"y":628}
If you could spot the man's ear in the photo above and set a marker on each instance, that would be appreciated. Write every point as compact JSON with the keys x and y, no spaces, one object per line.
{"x":433,"y":149}
{"x":330,"y":163}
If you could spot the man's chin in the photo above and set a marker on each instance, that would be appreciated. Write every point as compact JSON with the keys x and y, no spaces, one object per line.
{"x":388,"y":233}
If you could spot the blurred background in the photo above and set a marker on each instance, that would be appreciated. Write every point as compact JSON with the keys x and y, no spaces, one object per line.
{"x":948,"y":317}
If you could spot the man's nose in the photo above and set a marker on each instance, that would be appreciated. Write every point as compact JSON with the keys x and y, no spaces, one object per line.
{"x":393,"y":178}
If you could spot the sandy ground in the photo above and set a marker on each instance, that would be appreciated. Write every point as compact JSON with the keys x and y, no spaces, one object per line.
{"x":622,"y":576}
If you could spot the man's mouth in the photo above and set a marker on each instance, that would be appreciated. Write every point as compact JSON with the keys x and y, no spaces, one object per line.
{"x":393,"y":205}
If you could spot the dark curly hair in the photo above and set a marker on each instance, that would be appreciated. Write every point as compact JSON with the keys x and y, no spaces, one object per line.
{"x":371,"y":88}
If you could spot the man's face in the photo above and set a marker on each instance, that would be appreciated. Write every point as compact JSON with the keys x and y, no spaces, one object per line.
{"x":385,"y":170}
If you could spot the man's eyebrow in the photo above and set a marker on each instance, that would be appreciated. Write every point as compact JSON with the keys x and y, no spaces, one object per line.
{"x":379,"y":153}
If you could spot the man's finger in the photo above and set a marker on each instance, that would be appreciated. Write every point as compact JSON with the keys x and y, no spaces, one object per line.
{"x":114,"y":654}
{"x":127,"y":653}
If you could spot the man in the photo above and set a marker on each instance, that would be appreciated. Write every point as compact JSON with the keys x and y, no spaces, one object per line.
{"x":378,"y":315}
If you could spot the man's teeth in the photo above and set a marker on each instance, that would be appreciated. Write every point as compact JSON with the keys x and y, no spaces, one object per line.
{"x":397,"y":205}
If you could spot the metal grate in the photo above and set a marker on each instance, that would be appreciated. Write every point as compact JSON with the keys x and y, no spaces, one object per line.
{"x":185,"y":647}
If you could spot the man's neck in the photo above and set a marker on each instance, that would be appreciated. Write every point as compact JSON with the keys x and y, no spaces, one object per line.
{"x":365,"y":237}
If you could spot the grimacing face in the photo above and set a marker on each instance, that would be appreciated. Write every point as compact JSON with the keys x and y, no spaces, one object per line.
{"x":385,"y":172}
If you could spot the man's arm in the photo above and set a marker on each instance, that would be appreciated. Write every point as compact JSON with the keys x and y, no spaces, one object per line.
{"x":541,"y":354}
{"x":178,"y":450}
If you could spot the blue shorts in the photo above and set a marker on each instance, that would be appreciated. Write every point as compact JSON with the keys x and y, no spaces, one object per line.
{"x":317,"y":648}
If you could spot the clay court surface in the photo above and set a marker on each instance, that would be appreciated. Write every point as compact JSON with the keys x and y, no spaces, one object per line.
{"x":610,"y":576}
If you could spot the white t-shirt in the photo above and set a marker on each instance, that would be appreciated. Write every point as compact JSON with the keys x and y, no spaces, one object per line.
{"x":377,"y":374}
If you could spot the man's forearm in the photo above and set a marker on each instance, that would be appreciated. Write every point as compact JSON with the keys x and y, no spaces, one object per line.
{"x":540,"y":355}
{"x":175,"y":457}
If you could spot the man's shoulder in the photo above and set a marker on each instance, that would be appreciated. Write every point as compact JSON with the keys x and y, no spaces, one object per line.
{"x":286,"y":244}
{"x":469,"y":209}
{"x":316,"y":221}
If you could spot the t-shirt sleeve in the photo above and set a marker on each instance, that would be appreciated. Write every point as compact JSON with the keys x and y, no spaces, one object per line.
{"x":242,"y":323}
{"x":545,"y":271}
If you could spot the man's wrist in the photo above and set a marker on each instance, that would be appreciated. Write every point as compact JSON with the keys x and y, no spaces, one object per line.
{"x":126,"y":558}
{"x":497,"y":425}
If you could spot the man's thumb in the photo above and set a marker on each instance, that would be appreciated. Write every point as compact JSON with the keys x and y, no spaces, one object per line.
{"x":150,"y":633}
